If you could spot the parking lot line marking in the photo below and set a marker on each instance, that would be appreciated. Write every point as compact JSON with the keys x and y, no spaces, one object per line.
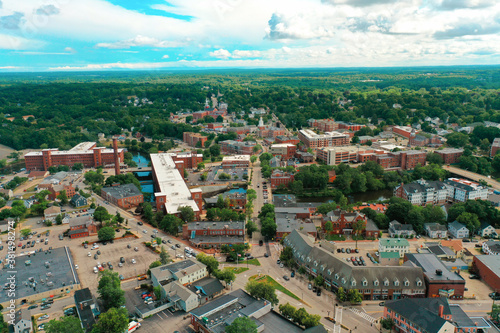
{"x":158,"y":314}
{"x":170,"y":312}
{"x":164,"y":313}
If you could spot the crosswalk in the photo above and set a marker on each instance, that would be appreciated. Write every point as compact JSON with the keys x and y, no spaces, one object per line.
{"x":363,"y":315}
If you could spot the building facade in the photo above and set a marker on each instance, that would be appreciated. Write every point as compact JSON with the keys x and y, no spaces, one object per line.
{"x":436,"y":230}
{"x":285,"y":150}
{"x":124,"y":196}
{"x":343,"y":222}
{"x":82,"y":226}
{"x":192,"y":139}
{"x":398,"y":245}
{"x":450,"y":155}
{"x":230,"y":147}
{"x":399,"y":230}
{"x":214,"y":234}
{"x":422,"y":192}
{"x":279,"y":177}
{"x":236,"y":161}
{"x":488,"y":268}
{"x":313,"y":140}
{"x":458,"y":230}
{"x":461,"y":190}
{"x":495,"y":146}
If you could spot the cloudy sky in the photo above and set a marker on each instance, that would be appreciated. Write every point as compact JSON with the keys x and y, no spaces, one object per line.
{"x":55,"y":35}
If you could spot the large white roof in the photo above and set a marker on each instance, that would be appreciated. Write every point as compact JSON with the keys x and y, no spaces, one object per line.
{"x":171,"y":184}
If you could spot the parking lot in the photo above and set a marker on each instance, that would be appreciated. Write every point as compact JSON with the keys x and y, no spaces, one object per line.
{"x":362,"y":253}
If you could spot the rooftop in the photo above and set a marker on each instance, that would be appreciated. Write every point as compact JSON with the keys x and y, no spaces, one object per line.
{"x":389,"y":255}
{"x":236,"y":158}
{"x":492,"y":262}
{"x":122,"y":191}
{"x":206,"y":225}
{"x":40,"y":272}
{"x":434,"y":269}
{"x":393,"y":242}
{"x":171,"y":184}
{"x":310,"y":134}
{"x":81,"y":148}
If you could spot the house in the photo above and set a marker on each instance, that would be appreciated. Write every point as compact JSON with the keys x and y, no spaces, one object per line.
{"x":86,"y":308}
{"x":436,"y":230}
{"x":37,"y":174}
{"x":458,"y":230}
{"x":4,"y":224}
{"x":22,"y":321}
{"x":399,"y":245}
{"x":174,"y":279}
{"x":491,"y":247}
{"x":78,"y":201}
{"x":455,"y":245}
{"x":486,"y":230}
{"x":8,"y":194}
{"x":28,"y":202}
{"x":439,"y":280}
{"x":82,"y":226}
{"x":442,"y":252}
{"x":431,"y":315}
{"x":399,"y":230}
{"x":51,"y":213}
{"x":207,"y":289}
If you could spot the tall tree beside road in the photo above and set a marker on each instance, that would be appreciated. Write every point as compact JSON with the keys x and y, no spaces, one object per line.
{"x":63,"y":197}
{"x":262,"y":290}
{"x":471,"y":222}
{"x":251,"y":228}
{"x":109,"y":290}
{"x":287,"y":310}
{"x":242,"y":325}
{"x":147,"y":211}
{"x":225,"y":275}
{"x":211,"y":263}
{"x":170,"y":223}
{"x":354,"y":296}
{"x":106,"y":234}
{"x":187,"y":213}
{"x":358,"y":228}
{"x":101,"y":214}
{"x":115,"y":320}
{"x":341,"y":295}
{"x":164,"y":256}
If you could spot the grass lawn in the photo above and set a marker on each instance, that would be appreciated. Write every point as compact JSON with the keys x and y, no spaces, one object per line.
{"x":254,"y":261}
{"x":236,"y":270}
{"x":276,"y":285}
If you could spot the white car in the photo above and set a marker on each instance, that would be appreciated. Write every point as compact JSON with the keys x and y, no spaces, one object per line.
{"x":133,"y":261}
{"x":89,"y":254}
{"x":96,"y":270}
{"x":76,"y":266}
{"x":179,"y":256}
{"x":145,"y":231}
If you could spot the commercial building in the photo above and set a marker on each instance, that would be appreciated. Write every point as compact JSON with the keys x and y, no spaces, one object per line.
{"x":324,"y":125}
{"x":399,"y":230}
{"x":491,"y":247}
{"x":422,"y":192}
{"x":488,"y":268}
{"x":287,"y":139}
{"x":350,"y":126}
{"x":279,"y":177}
{"x":270,"y":131}
{"x":86,"y":153}
{"x":285,"y":150}
{"x":230,"y":147}
{"x":389,"y":258}
{"x":171,"y":192}
{"x":236,"y":161}
{"x":192,"y":139}
{"x":398,"y":245}
{"x":431,"y":315}
{"x":216,"y":315}
{"x":439,"y":280}
{"x":214,"y":234}
{"x":450,"y":155}
{"x":304,"y":157}
{"x":82,"y":226}
{"x":86,"y":308}
{"x":462,"y":190}
{"x":174,"y":278}
{"x":124,"y":196}
{"x":56,"y":190}
{"x":337,"y":155}
{"x":495,"y":146}
{"x":42,"y":275}
{"x":51,"y":213}
{"x":186,"y":160}
{"x":436,"y":230}
{"x":458,"y":230}
{"x":374,"y":283}
{"x":342,"y":221}
{"x":287,"y":222}
{"x":404,"y":131}
{"x":313,"y":140}
{"x":237,"y":199}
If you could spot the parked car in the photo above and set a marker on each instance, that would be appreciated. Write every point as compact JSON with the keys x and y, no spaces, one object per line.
{"x":122,"y":259}
{"x":286,"y":278}
{"x":309,"y":286}
{"x":98,"y":252}
{"x":136,"y":249}
{"x":121,"y":277}
{"x":128,"y":246}
{"x":266,"y":254}
{"x":140,"y":223}
{"x":133,"y":261}
{"x":261,"y":242}
{"x":474,"y":277}
{"x":495,"y":296}
{"x":292,"y":274}
{"x":34,"y":306}
{"x":178,"y":245}
{"x":318,"y":292}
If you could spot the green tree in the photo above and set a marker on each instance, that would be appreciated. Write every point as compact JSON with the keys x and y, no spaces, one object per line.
{"x":318,"y":280}
{"x":171,"y":223}
{"x":77,"y":166}
{"x":495,"y":312}
{"x":101,"y":214}
{"x":109,"y":290}
{"x":300,"y":315}
{"x":357,"y":229}
{"x":164,"y":256}
{"x":297,"y":186}
{"x":387,"y":323}
{"x":227,"y":276}
{"x":341,"y":295}
{"x":63,"y":197}
{"x":211,"y":262}
{"x":287,"y":310}
{"x":251,"y":227}
{"x":471,"y":222}
{"x":311,"y":321}
{"x":253,"y":158}
{"x":262,"y":290}
{"x":59,"y":219}
{"x":187,"y":213}
{"x":157,"y":290}
{"x":214,"y":150}
{"x":201,"y":166}
{"x":354,"y":296}
{"x":434,"y":158}
{"x":115,"y":320}
{"x":457,"y":139}
{"x":328,"y":227}
{"x":64,"y":324}
{"x":106,"y":234}
{"x":242,"y":325}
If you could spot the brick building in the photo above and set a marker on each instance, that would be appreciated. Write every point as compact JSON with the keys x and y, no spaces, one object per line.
{"x":324,"y":125}
{"x":214,"y":234}
{"x":287,"y":139}
{"x":404,"y":131}
{"x":186,"y":160}
{"x":450,"y":155}
{"x":350,"y":126}
{"x":488,"y":268}
{"x":215,"y":126}
{"x":279,"y":177}
{"x":237,"y":199}
{"x":82,"y":226}
{"x":236,"y":161}
{"x":230,"y":147}
{"x":337,"y":155}
{"x":422,"y":192}
{"x":313,"y":140}
{"x":55,"y":190}
{"x":192,"y":139}
{"x":171,"y":192}
{"x":285,"y":150}
{"x":495,"y":146}
{"x":86,"y":153}
{"x":343,"y":221}
{"x":124,"y":196}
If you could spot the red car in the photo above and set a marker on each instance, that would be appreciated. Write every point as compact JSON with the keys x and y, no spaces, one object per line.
{"x":146,"y":295}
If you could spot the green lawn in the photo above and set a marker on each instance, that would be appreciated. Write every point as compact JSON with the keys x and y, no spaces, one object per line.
{"x":276,"y":285}
{"x":250,"y":262}
{"x":236,"y":270}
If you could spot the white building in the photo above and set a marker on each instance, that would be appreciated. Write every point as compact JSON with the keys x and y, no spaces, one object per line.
{"x":422,"y":192}
{"x":436,"y":230}
{"x":491,"y":247}
{"x":22,"y":321}
{"x":486,"y":230}
{"x":462,"y":190}
{"x":313,"y":140}
{"x":397,"y":229}
{"x":399,"y":245}
{"x":458,"y":230}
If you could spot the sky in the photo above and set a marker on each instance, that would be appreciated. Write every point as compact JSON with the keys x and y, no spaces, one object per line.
{"x":90,"y":35}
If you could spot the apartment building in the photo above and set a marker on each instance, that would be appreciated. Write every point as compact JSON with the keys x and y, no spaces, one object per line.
{"x":461,"y":190}
{"x":404,"y":131}
{"x":230,"y":147}
{"x":287,"y":139}
{"x":347,"y":154}
{"x":285,"y":150}
{"x":124,"y":196}
{"x":236,"y":161}
{"x":495,"y":146}
{"x":279,"y":177}
{"x":450,"y":155}
{"x":192,"y":139}
{"x":313,"y":140}
{"x":422,"y":192}
{"x":324,"y":125}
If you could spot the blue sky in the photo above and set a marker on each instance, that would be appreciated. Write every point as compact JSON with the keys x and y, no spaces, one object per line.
{"x":58,"y":35}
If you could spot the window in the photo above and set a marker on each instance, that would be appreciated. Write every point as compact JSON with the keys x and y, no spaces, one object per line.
{"x":375,"y":283}
{"x":365,"y":283}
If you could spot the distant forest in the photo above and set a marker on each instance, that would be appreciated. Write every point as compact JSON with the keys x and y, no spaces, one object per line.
{"x":72,"y":107}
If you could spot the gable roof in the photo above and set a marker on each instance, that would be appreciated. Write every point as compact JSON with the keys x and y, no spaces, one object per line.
{"x":456,"y":225}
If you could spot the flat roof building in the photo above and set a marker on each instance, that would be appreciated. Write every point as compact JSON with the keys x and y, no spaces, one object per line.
{"x":488,"y":268}
{"x":236,"y":161}
{"x":313,"y":140}
{"x":124,"y":196}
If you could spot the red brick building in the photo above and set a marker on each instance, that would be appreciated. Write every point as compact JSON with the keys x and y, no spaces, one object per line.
{"x":230,"y":147}
{"x":350,"y":126}
{"x":193,"y":138}
{"x":331,"y":176}
{"x":214,"y":234}
{"x":86,"y":153}
{"x":214,"y":126}
{"x":55,"y":190}
{"x":279,"y":177}
{"x":488,"y":268}
{"x":343,"y":221}
{"x":450,"y":155}
{"x":495,"y":146}
{"x":236,"y":161}
{"x":124,"y":196}
{"x":82,"y":226}
{"x":313,"y":140}
{"x":325,"y":125}
{"x":287,"y":139}
{"x":285,"y":150}
{"x":187,"y":160}
{"x":243,"y":130}
{"x":270,"y":132}
{"x":404,"y":131}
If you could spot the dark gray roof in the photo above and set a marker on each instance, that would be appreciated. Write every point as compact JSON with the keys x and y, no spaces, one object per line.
{"x":288,"y":222}
{"x":219,"y":302}
{"x":400,"y":227}
{"x":371,"y":226}
{"x":208,"y":286}
{"x":460,"y":318}
{"x":430,"y":263}
{"x":316,"y":329}
{"x":216,"y":225}
{"x":122,"y":191}
{"x":435,"y":226}
{"x":273,"y":322}
{"x":83,"y":295}
{"x":424,"y":186}
{"x":492,"y":262}
{"x":85,"y":313}
{"x":423,"y":312}
{"x":484,"y":225}
{"x":80,"y":220}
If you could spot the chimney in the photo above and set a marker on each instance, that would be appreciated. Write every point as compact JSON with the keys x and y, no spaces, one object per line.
{"x":117,"y":159}
{"x":441,"y":310}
